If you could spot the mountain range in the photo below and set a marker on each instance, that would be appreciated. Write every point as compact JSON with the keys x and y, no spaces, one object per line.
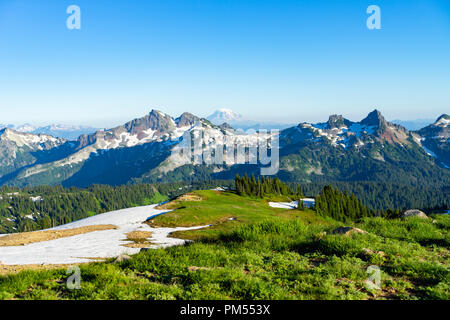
{"x":413,"y":125}
{"x":141,"y":150}
{"x":68,"y":132}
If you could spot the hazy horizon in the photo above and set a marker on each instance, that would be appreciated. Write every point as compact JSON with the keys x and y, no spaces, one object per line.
{"x":106,"y":125}
{"x":267,"y":60}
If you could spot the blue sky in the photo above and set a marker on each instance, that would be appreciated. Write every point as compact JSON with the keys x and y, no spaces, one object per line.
{"x":266,"y":59}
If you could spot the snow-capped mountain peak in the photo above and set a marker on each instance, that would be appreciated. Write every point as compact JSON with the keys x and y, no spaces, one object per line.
{"x":33,"y":141}
{"x":442,"y":121}
{"x":225,"y":116}
{"x":345,"y":133}
{"x":67,"y":132}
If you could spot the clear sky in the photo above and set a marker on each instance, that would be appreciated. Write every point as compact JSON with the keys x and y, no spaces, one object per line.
{"x":283,"y":60}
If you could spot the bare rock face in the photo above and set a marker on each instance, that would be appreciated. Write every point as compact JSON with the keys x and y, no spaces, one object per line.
{"x":155,"y":120}
{"x":415,"y":213}
{"x":186,"y":119}
{"x":370,"y":252}
{"x":348,"y":231}
{"x":338,"y":121}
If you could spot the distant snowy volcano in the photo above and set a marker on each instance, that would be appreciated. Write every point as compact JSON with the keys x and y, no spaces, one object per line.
{"x":238,"y":121}
{"x":225,"y":116}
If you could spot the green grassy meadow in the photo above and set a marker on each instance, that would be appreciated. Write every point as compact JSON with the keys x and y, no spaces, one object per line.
{"x":264,"y":254}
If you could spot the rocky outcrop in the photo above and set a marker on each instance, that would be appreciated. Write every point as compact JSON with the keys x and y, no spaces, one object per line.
{"x":348,"y":231}
{"x":415,"y":213}
{"x":122,"y":258}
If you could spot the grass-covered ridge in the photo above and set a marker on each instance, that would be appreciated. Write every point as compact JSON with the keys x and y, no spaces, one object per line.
{"x":224,"y":211}
{"x":265,"y":253}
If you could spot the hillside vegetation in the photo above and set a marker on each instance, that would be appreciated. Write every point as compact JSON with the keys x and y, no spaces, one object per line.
{"x":263,"y":253}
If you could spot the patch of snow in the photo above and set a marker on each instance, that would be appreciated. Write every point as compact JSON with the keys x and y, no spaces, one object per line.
{"x":292,"y":205}
{"x":98,"y":244}
{"x":359,"y":129}
{"x":429,"y":152}
{"x":442,"y":122}
{"x":31,"y":140}
{"x":309,"y":202}
{"x":284,"y":205}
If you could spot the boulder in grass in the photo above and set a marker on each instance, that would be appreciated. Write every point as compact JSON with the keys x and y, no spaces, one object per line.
{"x":414,"y":213}
{"x":371,"y":252}
{"x":122,"y":258}
{"x":348,"y":231}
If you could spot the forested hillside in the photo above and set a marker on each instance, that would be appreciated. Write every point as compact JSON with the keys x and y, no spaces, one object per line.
{"x":383,"y":195}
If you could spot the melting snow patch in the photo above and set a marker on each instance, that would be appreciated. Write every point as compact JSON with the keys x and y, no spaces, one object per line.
{"x":284,"y":205}
{"x":429,"y":152}
{"x":292,"y":205}
{"x":219,"y":189}
{"x":99,"y":244}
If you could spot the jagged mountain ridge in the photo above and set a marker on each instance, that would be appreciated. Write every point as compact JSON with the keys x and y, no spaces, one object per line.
{"x":67,"y":132}
{"x":121,"y":151}
{"x":141,"y":151}
{"x":346,"y":133}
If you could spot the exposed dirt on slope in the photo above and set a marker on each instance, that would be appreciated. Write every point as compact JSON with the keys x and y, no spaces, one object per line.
{"x":5,"y":269}
{"x":188,"y":197}
{"x":22,"y":239}
{"x":139,"y":239}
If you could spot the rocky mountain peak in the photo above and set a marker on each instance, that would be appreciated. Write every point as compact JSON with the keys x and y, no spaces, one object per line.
{"x":375,"y":119}
{"x":442,"y":121}
{"x":337,"y":121}
{"x":186,"y":119}
{"x":21,"y":139}
{"x":155,"y":120}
